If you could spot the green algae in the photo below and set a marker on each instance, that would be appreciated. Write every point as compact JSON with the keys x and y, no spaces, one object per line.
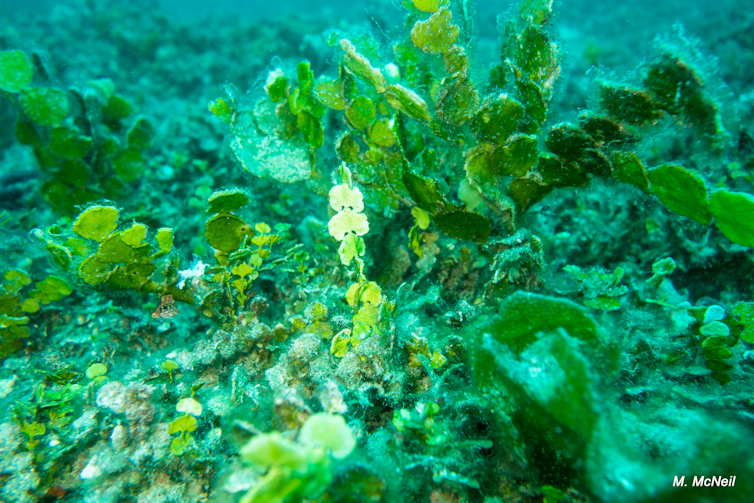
{"x":683,"y":191}
{"x":96,"y":222}
{"x":44,"y":106}
{"x":446,"y":376}
{"x":733,"y":213}
{"x":16,"y":71}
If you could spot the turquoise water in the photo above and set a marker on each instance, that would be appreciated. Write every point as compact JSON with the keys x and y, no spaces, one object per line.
{"x":410,"y":251}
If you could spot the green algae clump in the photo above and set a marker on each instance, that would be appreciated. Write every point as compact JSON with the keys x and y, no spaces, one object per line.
{"x":464,"y":225}
{"x":96,"y":370}
{"x":427,"y":5}
{"x":633,"y":106}
{"x":437,"y":34}
{"x":164,"y":238}
{"x":549,"y":355}
{"x":129,"y":164}
{"x":407,"y":101}
{"x":498,"y":118}
{"x":745,"y":311}
{"x":134,"y":235}
{"x":116,"y":109}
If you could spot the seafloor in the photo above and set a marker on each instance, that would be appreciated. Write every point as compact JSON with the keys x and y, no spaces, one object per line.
{"x":400,"y":251}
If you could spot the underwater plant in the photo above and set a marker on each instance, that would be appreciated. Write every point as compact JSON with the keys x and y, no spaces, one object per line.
{"x":466,"y":292}
{"x":80,"y":137}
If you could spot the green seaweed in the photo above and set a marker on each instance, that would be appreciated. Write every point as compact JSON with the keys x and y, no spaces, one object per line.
{"x":96,"y":222}
{"x":683,"y":191}
{"x":44,"y":106}
{"x":465,"y":225}
{"x":226,"y":232}
{"x":226,"y":201}
{"x":16,"y":71}
{"x":361,"y":112}
{"x":437,"y":34}
{"x":497,"y":119}
{"x":632,"y":106}
{"x":409,"y":300}
{"x":734,"y":213}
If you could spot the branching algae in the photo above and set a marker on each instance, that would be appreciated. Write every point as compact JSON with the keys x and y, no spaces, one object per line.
{"x":414,"y":334}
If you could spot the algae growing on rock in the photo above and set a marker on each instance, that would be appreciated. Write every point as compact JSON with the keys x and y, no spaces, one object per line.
{"x":428,"y":255}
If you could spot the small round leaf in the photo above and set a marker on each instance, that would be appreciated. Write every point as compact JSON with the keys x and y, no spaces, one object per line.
{"x":15,"y":71}
{"x":96,"y":222}
{"x":45,"y":106}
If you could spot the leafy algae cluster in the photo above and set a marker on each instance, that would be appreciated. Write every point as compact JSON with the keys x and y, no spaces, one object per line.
{"x":92,"y":155}
{"x":412,"y":324}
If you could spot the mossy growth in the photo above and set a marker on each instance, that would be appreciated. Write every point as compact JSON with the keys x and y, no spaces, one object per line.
{"x":420,"y":346}
{"x":421,"y":424}
{"x":601,"y":289}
